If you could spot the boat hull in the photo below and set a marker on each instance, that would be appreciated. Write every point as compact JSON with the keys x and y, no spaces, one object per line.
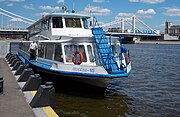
{"x":64,"y":79}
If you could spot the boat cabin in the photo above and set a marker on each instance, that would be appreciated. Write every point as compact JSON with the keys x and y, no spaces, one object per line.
{"x":56,"y":25}
{"x":62,"y":52}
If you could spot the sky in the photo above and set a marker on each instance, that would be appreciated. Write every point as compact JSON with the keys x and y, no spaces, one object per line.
{"x":154,"y":13}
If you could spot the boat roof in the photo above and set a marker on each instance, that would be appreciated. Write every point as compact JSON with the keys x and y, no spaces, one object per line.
{"x":68,"y":15}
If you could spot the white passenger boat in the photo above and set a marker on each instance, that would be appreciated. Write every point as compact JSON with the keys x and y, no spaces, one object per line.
{"x":68,"y":49}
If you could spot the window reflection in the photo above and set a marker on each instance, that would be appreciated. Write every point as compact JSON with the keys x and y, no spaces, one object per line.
{"x":85,"y":23}
{"x":58,"y":53}
{"x":70,"y":49}
{"x":41,"y":50}
{"x":91,"y":58}
{"x":49,"y":51}
{"x":73,"y":22}
{"x":57,"y":22}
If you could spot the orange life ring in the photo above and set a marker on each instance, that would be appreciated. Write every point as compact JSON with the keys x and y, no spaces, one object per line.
{"x":74,"y":60}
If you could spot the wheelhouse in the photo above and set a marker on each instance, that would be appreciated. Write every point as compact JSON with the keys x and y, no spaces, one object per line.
{"x":60,"y":24}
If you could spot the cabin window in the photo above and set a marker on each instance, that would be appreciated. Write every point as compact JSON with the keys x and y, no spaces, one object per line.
{"x":25,"y":47}
{"x":58,"y":53}
{"x":41,"y":50}
{"x":85,"y":23}
{"x":91,"y":57}
{"x":70,"y":49}
{"x":82,"y":49}
{"x":57,"y":22}
{"x":49,"y":51}
{"x":73,"y":22}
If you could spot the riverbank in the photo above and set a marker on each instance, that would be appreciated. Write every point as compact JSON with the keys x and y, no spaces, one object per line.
{"x":158,"y":42}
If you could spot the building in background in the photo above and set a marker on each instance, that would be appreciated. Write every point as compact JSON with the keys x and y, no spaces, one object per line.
{"x":172,"y":32}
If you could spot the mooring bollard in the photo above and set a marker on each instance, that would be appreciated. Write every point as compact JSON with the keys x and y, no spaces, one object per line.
{"x":45,"y":96}
{"x":32,"y":83}
{"x":12,"y":59}
{"x":7,"y":56}
{"x":18,"y":63}
{"x":8,"y":59}
{"x":1,"y":84}
{"x":25,"y":75}
{"x":14,"y":62}
{"x":20,"y":69}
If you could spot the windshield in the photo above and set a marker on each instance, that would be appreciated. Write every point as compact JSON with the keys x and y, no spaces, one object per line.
{"x":85,"y":23}
{"x":57,"y":22}
{"x":73,"y":22}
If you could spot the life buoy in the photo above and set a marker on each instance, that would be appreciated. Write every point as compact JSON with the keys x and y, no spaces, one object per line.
{"x":74,"y":59}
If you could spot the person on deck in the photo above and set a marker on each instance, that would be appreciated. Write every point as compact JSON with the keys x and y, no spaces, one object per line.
{"x":32,"y":50}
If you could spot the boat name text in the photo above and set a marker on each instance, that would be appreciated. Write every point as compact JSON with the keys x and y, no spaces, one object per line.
{"x":90,"y":70}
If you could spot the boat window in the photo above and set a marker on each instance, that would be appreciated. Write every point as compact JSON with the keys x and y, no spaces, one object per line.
{"x":57,"y":22}
{"x":82,"y":49}
{"x":25,"y":47}
{"x":91,"y":58}
{"x":49,"y":51}
{"x":41,"y":50}
{"x":70,"y":49}
{"x":73,"y":22}
{"x":85,"y":23}
{"x":58,"y":53}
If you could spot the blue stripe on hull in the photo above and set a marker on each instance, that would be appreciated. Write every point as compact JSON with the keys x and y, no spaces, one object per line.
{"x":76,"y":74}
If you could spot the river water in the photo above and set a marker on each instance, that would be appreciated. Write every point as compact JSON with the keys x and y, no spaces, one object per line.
{"x":152,"y":89}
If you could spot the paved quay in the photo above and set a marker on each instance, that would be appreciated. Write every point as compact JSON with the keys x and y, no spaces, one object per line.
{"x":12,"y":101}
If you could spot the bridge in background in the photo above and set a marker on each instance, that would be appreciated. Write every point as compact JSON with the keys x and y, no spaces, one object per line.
{"x":13,"y":25}
{"x":132,"y":28}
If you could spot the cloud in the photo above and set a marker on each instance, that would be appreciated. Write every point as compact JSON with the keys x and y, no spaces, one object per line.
{"x":42,"y":14}
{"x":171,"y":11}
{"x":10,"y":4}
{"x":98,"y":0}
{"x":148,"y":1}
{"x":124,"y":15}
{"x":146,"y":14}
{"x":30,"y":6}
{"x":101,"y":23}
{"x":16,"y":20}
{"x":140,"y":13}
{"x":16,"y":0}
{"x":98,"y":11}
{"x":60,"y":1}
{"x":49,"y":8}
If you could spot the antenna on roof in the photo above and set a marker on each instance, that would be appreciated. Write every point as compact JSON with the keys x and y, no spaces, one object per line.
{"x":73,"y":11}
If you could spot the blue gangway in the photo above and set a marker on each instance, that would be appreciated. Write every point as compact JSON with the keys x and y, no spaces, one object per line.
{"x":105,"y":50}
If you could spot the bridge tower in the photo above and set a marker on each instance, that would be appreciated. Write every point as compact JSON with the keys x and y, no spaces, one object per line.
{"x":133,"y":24}
{"x":122,"y":25}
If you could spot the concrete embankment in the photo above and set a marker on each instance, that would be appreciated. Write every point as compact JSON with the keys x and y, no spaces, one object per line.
{"x":30,"y":98}
{"x":12,"y":101}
